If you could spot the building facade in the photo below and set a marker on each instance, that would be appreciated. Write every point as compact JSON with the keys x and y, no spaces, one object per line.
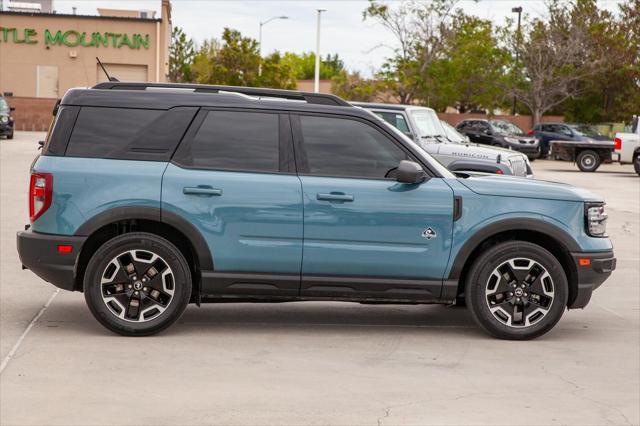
{"x":42,"y":55}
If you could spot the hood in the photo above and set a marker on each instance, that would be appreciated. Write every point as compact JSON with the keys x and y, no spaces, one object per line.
{"x":475,"y":151}
{"x":507,"y":186}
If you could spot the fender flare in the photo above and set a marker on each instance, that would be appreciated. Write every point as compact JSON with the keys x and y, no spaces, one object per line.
{"x":117,"y":214}
{"x":515,"y":224}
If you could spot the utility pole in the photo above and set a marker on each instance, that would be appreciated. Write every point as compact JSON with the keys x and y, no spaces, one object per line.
{"x":517,"y":10}
{"x":316,"y":85}
{"x":262,"y":24}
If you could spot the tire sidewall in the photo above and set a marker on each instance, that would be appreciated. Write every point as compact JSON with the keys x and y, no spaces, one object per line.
{"x":140,"y":241}
{"x":480,"y":273}
{"x":586,"y":168}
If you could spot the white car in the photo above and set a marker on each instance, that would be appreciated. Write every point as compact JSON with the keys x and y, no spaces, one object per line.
{"x":627,"y":146}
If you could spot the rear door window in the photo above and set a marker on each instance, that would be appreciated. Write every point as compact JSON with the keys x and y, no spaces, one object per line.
{"x":234,"y":140}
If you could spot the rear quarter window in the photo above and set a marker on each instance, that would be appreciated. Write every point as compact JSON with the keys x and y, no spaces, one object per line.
{"x":128,"y":134}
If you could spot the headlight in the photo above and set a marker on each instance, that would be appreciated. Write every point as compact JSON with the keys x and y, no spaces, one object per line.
{"x":511,"y":140}
{"x":4,"y":119}
{"x":595,"y":219}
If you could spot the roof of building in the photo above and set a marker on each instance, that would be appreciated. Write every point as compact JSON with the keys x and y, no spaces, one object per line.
{"x":69,"y":15}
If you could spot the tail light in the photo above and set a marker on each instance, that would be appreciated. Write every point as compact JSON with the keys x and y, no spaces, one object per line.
{"x":499,"y":172}
{"x":530,"y":132}
{"x":40,"y":194}
{"x":618,"y":142}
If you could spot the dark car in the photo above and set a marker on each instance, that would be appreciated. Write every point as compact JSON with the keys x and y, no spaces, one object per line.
{"x":547,"y":132}
{"x":500,"y":133}
{"x":6,"y":120}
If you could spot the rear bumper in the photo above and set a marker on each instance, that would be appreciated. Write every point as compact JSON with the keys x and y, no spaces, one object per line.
{"x":39,"y":253}
{"x":591,"y":275}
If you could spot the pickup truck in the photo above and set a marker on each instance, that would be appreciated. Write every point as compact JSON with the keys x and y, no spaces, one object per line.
{"x":627,"y":146}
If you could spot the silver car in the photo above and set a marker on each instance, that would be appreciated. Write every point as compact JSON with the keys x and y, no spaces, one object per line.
{"x":449,"y":147}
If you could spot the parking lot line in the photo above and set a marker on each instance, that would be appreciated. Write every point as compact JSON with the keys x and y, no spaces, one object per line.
{"x":35,"y":319}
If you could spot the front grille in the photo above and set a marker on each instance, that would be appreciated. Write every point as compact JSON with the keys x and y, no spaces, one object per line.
{"x":518,"y":166}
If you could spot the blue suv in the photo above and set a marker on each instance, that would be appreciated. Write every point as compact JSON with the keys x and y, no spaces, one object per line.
{"x":147,"y":197}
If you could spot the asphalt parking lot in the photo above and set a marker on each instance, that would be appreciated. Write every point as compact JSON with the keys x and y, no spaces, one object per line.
{"x":318,"y":363}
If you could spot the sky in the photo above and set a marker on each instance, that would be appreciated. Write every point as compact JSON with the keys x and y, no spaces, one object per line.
{"x":363,"y":45}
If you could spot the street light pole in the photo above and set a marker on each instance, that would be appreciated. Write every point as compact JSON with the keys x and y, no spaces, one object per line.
{"x":517,"y":10}
{"x":316,"y":85}
{"x":262,"y":24}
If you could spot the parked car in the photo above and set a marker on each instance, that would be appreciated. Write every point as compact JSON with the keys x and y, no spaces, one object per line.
{"x":147,"y":200}
{"x":447,"y":146}
{"x":500,"y":133}
{"x":627,"y":145}
{"x":6,"y":119}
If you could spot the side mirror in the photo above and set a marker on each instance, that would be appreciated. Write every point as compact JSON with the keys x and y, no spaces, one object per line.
{"x":409,"y":172}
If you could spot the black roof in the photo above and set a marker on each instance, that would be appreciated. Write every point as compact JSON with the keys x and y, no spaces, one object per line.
{"x":169,"y":95}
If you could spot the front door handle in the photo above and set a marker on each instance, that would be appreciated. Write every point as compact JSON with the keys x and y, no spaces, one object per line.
{"x":334,"y":197}
{"x":207,"y":191}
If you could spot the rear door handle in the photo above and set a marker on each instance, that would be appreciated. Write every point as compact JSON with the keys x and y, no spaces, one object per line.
{"x":334,"y":197}
{"x":201,"y":190}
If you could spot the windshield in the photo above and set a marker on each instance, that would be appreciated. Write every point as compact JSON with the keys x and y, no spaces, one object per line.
{"x":4,"y":106}
{"x":451,"y":133}
{"x":502,"y":127}
{"x":427,"y":123}
{"x":434,"y":163}
{"x":584,"y":130}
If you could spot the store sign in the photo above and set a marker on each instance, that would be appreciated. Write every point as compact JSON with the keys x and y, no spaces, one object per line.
{"x":72,"y":38}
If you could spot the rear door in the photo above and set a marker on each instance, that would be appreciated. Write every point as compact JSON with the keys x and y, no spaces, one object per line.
{"x":365,"y":234}
{"x":233,"y":177}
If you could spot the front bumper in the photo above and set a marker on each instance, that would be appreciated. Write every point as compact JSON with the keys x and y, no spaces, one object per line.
{"x":39,"y":253}
{"x":6,"y":129}
{"x":592,"y":270}
{"x":526,"y":148}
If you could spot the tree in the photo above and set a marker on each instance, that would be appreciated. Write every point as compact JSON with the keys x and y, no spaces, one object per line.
{"x":234,"y":61}
{"x":471,"y":72}
{"x":556,"y":56}
{"x":613,"y":93}
{"x":352,"y":87}
{"x":420,"y":30}
{"x":303,"y":65}
{"x":181,"y":54}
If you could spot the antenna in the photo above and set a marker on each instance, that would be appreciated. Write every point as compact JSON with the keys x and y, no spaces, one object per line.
{"x":105,"y":71}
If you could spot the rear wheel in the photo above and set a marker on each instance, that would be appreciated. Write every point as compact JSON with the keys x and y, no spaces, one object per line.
{"x":636,"y":164}
{"x":516,"y":290}
{"x":10,"y":135}
{"x":588,"y":161}
{"x":137,"y":284}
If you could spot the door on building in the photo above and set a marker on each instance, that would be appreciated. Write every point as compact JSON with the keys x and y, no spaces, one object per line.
{"x":123,"y":72}
{"x":47,"y":81}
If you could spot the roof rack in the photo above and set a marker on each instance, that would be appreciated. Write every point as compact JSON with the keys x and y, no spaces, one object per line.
{"x":311,"y":98}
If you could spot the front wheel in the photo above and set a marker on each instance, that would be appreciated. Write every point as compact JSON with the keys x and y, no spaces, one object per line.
{"x":516,"y":290}
{"x":137,"y":284}
{"x":588,"y":161}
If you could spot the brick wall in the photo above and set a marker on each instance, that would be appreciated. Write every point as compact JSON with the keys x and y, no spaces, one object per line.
{"x":33,"y":114}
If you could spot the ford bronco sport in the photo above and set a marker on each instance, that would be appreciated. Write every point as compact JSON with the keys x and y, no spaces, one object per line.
{"x":149,"y":196}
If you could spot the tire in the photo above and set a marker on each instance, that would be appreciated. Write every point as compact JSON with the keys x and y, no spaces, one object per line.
{"x":532,"y":157}
{"x":10,"y":136}
{"x":636,"y":164}
{"x":137,"y":284}
{"x":490,"y":296}
{"x":588,"y":161}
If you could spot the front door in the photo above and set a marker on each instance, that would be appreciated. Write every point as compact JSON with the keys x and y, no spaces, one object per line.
{"x":234,"y":179}
{"x":365,"y":234}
